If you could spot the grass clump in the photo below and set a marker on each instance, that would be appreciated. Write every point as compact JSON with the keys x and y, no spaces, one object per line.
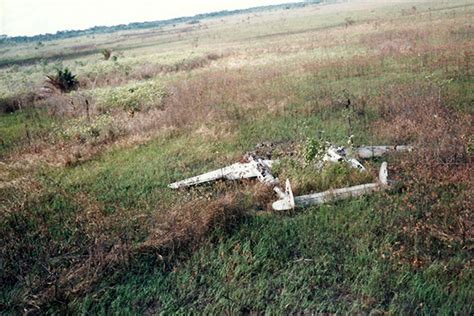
{"x":83,"y":129}
{"x":132,"y":97}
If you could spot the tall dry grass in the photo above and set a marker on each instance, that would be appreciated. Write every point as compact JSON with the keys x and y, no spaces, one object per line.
{"x":105,"y":249}
{"x":437,"y":176}
{"x":122,"y":74}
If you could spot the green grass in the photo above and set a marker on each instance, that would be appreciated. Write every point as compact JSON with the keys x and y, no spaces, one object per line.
{"x":325,"y":260}
{"x":131,"y":97}
{"x":373,"y":254}
{"x":15,"y":128}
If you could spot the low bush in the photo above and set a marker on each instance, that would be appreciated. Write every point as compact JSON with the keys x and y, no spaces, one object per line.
{"x":132,"y":97}
{"x":82,"y":129}
{"x":107,"y":53}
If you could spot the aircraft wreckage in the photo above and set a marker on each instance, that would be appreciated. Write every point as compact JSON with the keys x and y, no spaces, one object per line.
{"x":261,"y":169}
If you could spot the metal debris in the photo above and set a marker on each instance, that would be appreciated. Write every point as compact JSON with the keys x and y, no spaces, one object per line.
{"x":259,"y":168}
{"x":366,"y":152}
{"x":338,"y":154}
{"x":289,"y":202}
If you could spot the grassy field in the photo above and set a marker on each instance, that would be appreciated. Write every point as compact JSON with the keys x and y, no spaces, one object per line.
{"x":88,"y":224}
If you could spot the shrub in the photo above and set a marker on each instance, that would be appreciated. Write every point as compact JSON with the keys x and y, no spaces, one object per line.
{"x":107,"y":53}
{"x":349,"y":21}
{"x":64,"y":80}
{"x":134,"y":97}
{"x":82,"y":129}
{"x":315,"y":149}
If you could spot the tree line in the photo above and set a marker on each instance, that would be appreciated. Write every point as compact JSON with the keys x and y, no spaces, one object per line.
{"x":145,"y":25}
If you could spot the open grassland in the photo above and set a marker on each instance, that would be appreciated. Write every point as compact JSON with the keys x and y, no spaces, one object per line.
{"x":88,"y":225}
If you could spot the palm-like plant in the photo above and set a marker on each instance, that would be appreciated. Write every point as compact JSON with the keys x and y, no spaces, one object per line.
{"x":64,"y":80}
{"x":107,"y":53}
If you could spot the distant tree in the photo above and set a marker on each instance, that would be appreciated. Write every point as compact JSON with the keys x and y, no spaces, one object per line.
{"x":63,"y":80}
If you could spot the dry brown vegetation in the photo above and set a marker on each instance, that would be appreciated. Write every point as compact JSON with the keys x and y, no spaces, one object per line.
{"x":438,"y":175}
{"x":407,"y":82}
{"x":122,"y":75}
{"x":172,"y":236}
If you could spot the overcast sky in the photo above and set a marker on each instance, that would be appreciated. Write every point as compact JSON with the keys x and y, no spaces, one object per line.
{"x":31,"y":17}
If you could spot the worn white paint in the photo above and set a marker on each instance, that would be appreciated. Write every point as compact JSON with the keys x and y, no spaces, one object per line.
{"x":334,"y":154}
{"x":366,"y":152}
{"x":261,"y":169}
{"x":290,"y":202}
{"x":254,"y":169}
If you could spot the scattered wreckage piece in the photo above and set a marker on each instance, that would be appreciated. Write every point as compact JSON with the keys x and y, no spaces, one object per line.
{"x":259,"y":168}
{"x":290,"y":202}
{"x":366,"y":152}
{"x":338,"y":154}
